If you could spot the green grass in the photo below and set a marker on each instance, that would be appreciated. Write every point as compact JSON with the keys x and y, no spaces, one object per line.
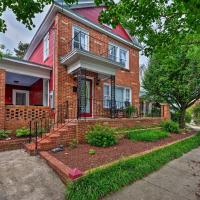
{"x":101,"y":182}
{"x":147,"y":135}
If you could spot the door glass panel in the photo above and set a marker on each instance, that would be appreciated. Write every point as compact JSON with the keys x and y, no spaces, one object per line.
{"x":20,"y":98}
{"x":85,"y":97}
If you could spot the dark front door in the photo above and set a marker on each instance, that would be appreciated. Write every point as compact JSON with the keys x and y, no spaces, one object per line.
{"x":86,"y":99}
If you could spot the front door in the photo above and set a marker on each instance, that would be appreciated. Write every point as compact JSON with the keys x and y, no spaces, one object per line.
{"x":86,"y":99}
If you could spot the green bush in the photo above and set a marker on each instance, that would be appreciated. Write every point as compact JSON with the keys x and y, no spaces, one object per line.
{"x":196,"y":113}
{"x":130,"y":110}
{"x":22,"y":132}
{"x":147,"y":135}
{"x":175,"y":116}
{"x":100,"y":182}
{"x":92,"y":152}
{"x":4,"y":134}
{"x":101,"y":136}
{"x":170,"y":126}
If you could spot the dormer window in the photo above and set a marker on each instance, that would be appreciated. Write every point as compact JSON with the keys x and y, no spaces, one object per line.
{"x":46,"y":47}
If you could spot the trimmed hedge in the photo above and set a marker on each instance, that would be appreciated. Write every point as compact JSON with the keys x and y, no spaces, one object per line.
{"x":103,"y":181}
{"x":170,"y":126}
{"x":147,"y":135}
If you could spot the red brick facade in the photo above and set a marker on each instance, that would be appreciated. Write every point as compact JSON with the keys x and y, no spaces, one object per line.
{"x":64,"y":82}
{"x":2,"y":99}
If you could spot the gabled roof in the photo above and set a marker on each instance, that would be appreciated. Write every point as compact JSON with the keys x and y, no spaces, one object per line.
{"x":70,"y":12}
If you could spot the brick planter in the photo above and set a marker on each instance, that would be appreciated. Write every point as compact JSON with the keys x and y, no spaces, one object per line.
{"x":18,"y":143}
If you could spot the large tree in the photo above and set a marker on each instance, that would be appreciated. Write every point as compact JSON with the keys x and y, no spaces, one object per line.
{"x":173,"y":75}
{"x":21,"y":49}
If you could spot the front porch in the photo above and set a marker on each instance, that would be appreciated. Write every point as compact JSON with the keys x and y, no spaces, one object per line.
{"x":24,"y":89}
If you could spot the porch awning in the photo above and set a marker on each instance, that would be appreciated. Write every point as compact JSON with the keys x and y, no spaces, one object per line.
{"x":23,"y":67}
{"x":78,"y":58}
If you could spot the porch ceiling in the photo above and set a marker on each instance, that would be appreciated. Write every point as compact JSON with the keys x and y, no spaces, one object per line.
{"x":18,"y":79}
{"x":23,"y":67}
{"x":79,"y":58}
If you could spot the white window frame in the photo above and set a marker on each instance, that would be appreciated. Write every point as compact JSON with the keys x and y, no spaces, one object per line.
{"x":75,"y":27}
{"x":124,"y":93}
{"x":118,"y":54}
{"x":23,"y":92}
{"x":44,"y":103}
{"x":46,"y":47}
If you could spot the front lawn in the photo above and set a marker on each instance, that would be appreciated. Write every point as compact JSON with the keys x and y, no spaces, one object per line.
{"x":103,"y":181}
{"x":147,"y":135}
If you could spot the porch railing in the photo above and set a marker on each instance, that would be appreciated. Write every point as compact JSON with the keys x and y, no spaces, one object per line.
{"x":101,"y":108}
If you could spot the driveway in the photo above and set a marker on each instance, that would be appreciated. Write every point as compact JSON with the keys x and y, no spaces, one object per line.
{"x":178,"y":180}
{"x":24,"y":177}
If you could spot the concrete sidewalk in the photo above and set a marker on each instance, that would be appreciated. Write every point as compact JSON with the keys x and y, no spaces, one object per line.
{"x":25,"y":177}
{"x":178,"y":180}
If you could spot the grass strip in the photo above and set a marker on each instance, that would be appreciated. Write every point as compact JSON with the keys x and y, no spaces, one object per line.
{"x":147,"y":135}
{"x":103,"y":181}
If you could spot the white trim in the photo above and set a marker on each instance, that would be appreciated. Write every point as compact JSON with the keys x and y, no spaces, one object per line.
{"x":44,"y":103}
{"x":49,"y":19}
{"x":20,"y":91}
{"x":25,"y":68}
{"x":46,"y":47}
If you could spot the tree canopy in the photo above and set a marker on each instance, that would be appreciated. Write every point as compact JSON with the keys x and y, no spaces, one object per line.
{"x":173,"y":75}
{"x":21,"y":49}
{"x":154,"y":22}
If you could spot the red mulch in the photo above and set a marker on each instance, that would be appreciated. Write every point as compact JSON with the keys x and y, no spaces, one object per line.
{"x":81,"y":159}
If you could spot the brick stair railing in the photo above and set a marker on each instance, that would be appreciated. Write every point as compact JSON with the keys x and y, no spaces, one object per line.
{"x":57,"y":136}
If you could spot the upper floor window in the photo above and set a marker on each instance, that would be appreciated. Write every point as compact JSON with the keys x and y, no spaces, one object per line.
{"x":80,"y":38}
{"x":46,"y":47}
{"x":118,"y":54}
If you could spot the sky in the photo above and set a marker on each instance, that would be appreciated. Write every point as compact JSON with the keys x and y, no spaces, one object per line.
{"x":17,"y":32}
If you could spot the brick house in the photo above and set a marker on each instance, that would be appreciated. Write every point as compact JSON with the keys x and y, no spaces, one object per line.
{"x":75,"y":67}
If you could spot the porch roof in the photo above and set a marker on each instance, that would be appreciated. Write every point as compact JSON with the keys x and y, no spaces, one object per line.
{"x":14,"y":65}
{"x":78,"y":58}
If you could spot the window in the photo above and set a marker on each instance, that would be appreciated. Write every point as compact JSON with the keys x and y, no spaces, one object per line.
{"x":46,"y":47}
{"x":122,"y":96}
{"x":80,"y":39}
{"x":21,"y":97}
{"x":118,"y":54}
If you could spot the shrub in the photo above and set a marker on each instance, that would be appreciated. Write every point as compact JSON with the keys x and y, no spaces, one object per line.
{"x":175,"y":116}
{"x":73,"y":144}
{"x":92,"y":152}
{"x":130,"y":110}
{"x":147,"y":135}
{"x":101,"y":136}
{"x":22,"y":132}
{"x":4,"y":133}
{"x":170,"y":126}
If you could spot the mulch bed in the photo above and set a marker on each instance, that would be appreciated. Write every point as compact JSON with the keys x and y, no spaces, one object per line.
{"x":81,"y":159}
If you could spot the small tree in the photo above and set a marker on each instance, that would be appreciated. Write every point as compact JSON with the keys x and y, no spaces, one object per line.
{"x":21,"y":49}
{"x":173,"y":75}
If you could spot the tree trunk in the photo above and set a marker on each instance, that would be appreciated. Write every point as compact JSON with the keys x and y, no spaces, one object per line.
{"x":182,"y":118}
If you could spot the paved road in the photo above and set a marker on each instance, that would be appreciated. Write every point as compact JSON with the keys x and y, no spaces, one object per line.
{"x":23,"y":177}
{"x":178,"y":180}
